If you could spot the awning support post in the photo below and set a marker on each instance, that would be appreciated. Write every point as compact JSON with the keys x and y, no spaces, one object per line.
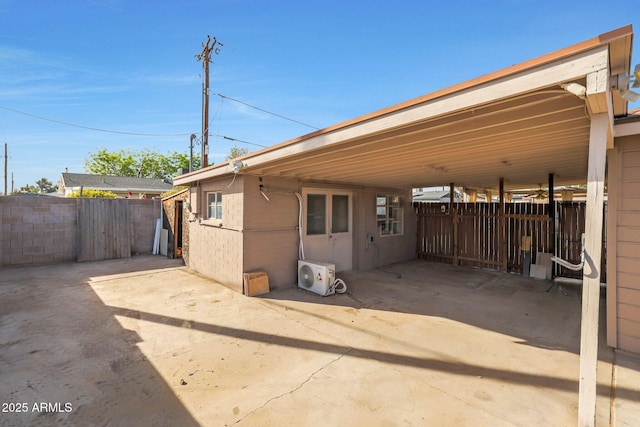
{"x":591,"y":272}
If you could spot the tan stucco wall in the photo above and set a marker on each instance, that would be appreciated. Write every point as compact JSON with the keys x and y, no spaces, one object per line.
{"x":270,"y":229}
{"x":623,"y":257}
{"x":263,"y":235}
{"x":387,"y":249}
{"x":271,"y":235}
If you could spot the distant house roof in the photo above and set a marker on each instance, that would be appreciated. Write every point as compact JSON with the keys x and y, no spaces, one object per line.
{"x":114,"y":183}
{"x":431,"y":196}
{"x":175,"y":195}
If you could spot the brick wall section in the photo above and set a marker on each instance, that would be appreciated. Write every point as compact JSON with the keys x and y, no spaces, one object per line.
{"x":43,"y":229}
{"x":169,"y":214}
{"x":37,"y":230}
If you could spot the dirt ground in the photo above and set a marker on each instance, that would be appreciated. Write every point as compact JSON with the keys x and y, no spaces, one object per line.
{"x":144,"y":341}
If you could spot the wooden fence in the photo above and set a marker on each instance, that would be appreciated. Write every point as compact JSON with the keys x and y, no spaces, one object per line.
{"x":571,"y":220}
{"x":104,"y":229}
{"x":115,"y":228}
{"x":478,"y":234}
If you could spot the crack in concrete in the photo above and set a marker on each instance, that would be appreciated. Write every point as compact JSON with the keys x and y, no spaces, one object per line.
{"x":298,"y":387}
{"x":612,"y":390}
{"x":277,"y":308}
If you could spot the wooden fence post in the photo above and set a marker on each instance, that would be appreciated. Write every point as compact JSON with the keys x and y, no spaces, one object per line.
{"x":552,"y":220}
{"x":453,"y":212}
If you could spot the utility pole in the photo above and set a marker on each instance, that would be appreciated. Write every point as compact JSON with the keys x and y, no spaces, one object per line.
{"x":5,"y":168}
{"x":191,"y":139}
{"x":205,"y":57}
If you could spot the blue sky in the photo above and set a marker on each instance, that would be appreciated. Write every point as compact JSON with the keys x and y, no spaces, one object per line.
{"x":129,"y":66}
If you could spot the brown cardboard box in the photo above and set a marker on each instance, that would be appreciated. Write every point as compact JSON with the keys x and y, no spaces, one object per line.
{"x":255,"y":283}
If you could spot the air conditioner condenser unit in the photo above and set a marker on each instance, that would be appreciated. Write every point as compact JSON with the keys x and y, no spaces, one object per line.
{"x":317,"y":277}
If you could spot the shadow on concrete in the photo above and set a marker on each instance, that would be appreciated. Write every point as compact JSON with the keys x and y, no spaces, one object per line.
{"x":60,"y":345}
{"x":504,"y":303}
{"x":59,"y":342}
{"x":455,"y":368}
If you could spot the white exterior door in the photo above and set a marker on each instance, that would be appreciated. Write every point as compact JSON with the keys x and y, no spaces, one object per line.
{"x":327,"y":233}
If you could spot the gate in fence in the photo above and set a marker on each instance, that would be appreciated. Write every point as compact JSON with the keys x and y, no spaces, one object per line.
{"x":104,"y":229}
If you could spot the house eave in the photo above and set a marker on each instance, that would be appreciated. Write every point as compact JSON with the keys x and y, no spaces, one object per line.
{"x":607,"y":53}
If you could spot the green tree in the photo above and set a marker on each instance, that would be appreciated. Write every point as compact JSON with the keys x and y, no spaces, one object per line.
{"x":144,"y":163}
{"x":43,"y":185}
{"x":235,"y":152}
{"x":28,"y":189}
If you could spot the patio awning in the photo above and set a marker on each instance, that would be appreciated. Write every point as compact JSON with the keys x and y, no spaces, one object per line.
{"x":518,"y":124}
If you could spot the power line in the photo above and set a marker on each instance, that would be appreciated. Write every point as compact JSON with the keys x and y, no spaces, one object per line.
{"x":125,"y":133}
{"x":266,"y":111}
{"x":239,"y":140}
{"x":91,"y":128}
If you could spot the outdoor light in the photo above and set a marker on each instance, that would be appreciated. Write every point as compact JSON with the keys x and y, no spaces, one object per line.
{"x":575,"y":88}
{"x":237,"y":165}
{"x":624,"y":82}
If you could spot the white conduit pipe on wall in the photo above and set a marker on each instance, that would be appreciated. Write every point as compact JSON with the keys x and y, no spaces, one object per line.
{"x":339,"y":285}
{"x":301,"y":247}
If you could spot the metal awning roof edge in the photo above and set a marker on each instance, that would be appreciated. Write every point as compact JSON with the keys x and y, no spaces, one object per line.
{"x":584,"y":58}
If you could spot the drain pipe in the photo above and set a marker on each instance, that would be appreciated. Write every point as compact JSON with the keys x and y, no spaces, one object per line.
{"x":574,"y":282}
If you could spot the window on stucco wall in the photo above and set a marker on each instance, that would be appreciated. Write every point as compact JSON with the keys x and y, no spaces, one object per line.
{"x":389,"y":215}
{"x":214,"y":205}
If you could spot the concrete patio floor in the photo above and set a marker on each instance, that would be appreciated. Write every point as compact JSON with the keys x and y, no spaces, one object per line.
{"x":144,"y":341}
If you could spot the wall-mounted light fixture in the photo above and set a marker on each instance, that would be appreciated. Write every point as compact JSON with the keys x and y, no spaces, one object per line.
{"x":624,"y":82}
{"x":237,"y":165}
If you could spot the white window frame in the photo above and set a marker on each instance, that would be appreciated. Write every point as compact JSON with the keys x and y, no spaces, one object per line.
{"x":217,"y":205}
{"x":391,"y":222}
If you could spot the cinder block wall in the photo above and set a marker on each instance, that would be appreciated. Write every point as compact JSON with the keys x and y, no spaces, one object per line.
{"x":143,"y":214}
{"x":37,"y":230}
{"x":270,"y":229}
{"x":43,"y":229}
{"x":215,"y":247}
